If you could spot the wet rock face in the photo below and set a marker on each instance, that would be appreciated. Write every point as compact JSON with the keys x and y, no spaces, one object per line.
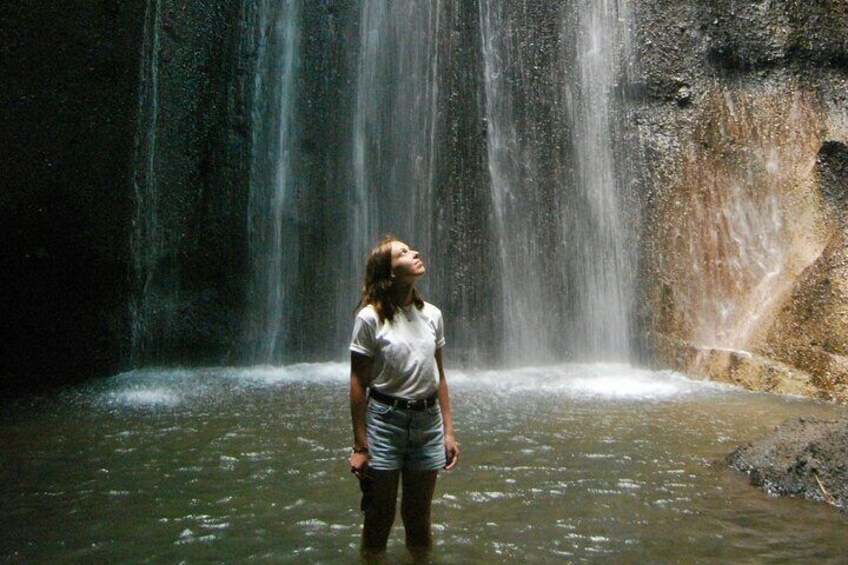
{"x":762,"y":35}
{"x":810,"y":332}
{"x":745,"y":126}
{"x":70,"y":105}
{"x":188,"y":175}
{"x":807,"y":458}
{"x":683,"y":43}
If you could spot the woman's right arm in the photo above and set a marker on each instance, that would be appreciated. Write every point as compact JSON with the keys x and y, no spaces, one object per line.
{"x":360,"y":374}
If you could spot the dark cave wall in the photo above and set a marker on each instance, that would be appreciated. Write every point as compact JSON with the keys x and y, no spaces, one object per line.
{"x":68,"y":104}
{"x":72,"y":74}
{"x":189,"y":207}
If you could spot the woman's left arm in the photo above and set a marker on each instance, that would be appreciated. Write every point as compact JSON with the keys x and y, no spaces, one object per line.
{"x":451,"y":446}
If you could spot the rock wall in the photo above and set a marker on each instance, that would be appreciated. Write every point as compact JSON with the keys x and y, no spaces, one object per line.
{"x":75,"y":113}
{"x":188,"y":185}
{"x":69,"y":75}
{"x":745,"y":123}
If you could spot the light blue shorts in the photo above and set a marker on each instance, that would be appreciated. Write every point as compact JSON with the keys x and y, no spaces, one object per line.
{"x":405,"y":439}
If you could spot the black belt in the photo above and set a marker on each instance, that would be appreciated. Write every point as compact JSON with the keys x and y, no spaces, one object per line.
{"x":413,"y":405}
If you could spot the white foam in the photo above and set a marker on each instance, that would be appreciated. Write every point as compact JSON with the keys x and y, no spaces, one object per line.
{"x":144,"y":397}
{"x":167,"y":387}
{"x":592,"y":381}
{"x":299,"y":372}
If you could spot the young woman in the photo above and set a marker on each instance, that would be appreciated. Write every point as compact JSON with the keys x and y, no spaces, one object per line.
{"x":402,"y":430}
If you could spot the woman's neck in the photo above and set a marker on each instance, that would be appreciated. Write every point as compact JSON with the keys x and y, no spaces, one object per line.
{"x":403,"y":295}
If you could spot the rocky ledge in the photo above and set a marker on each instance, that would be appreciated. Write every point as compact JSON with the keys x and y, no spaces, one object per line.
{"x":805,"y":457}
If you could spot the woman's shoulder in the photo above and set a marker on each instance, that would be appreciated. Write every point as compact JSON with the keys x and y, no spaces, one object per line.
{"x":431,"y":310}
{"x":368,"y":313}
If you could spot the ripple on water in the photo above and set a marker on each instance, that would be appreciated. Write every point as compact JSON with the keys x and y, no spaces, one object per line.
{"x":234,"y":458}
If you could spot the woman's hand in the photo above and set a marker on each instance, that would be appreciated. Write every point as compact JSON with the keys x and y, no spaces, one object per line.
{"x":358,"y":462}
{"x":451,"y":452}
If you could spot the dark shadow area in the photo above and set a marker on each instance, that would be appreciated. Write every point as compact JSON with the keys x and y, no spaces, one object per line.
{"x":68,"y":104}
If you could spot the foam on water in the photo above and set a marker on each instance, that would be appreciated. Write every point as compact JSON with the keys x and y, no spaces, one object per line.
{"x":168,"y":387}
{"x":145,"y":397}
{"x":591,"y":381}
{"x":300,"y":372}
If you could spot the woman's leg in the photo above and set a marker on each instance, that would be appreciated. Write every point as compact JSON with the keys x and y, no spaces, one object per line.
{"x":379,"y":510}
{"x":417,"y":497}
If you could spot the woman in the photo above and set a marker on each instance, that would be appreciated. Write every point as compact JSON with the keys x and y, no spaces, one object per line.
{"x":399,"y":404}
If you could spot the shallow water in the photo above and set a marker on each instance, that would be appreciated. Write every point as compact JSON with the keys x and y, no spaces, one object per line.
{"x":573,"y":463}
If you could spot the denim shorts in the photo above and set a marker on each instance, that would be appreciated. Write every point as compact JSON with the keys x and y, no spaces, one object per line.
{"x":405,"y":439}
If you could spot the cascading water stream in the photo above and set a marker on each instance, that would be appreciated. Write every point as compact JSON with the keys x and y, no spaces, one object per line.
{"x":387,"y":141}
{"x":566,"y":276}
{"x":146,"y":237}
{"x":394,"y":124}
{"x":272,"y":211}
{"x":515,"y":189}
{"x":339,"y":149}
{"x":604,"y":294}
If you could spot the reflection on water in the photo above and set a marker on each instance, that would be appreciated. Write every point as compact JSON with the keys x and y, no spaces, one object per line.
{"x":569,"y":463}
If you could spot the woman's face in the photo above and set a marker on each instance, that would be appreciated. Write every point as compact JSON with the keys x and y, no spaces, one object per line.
{"x":407,"y":265}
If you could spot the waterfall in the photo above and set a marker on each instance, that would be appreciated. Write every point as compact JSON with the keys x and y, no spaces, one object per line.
{"x":394,"y":124}
{"x":347,"y":121}
{"x":272,"y":212}
{"x":528,"y":309}
{"x":146,"y":236}
{"x":602,"y":41}
{"x":296,"y":219}
{"x":564,"y":268}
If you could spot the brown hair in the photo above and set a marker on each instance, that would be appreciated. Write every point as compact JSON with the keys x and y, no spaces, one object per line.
{"x":378,"y":288}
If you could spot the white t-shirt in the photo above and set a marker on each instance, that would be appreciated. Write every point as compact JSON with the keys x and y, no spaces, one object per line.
{"x":403,"y":350}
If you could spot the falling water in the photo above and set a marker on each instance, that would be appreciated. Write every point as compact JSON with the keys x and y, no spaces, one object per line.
{"x":394,"y":123}
{"x":516,"y":193}
{"x":350,"y":116}
{"x":565,"y":273}
{"x":603,"y":297}
{"x":321,"y":198}
{"x":147,"y":237}
{"x":732,"y":255}
{"x":272,"y":211}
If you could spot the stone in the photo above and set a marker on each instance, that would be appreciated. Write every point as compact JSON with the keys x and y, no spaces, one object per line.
{"x":805,"y":457}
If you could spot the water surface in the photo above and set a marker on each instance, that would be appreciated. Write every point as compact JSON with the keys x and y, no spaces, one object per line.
{"x":579,"y":463}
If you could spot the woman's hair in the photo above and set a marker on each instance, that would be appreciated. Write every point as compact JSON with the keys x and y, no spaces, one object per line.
{"x":378,"y":288}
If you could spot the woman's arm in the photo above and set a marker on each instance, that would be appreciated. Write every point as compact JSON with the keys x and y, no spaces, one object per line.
{"x":360,"y":374}
{"x":451,"y":447}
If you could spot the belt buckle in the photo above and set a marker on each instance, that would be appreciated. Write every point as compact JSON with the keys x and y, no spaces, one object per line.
{"x":417,"y":405}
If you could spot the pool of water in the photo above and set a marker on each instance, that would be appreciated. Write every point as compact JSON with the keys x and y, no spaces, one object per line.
{"x":579,"y":463}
